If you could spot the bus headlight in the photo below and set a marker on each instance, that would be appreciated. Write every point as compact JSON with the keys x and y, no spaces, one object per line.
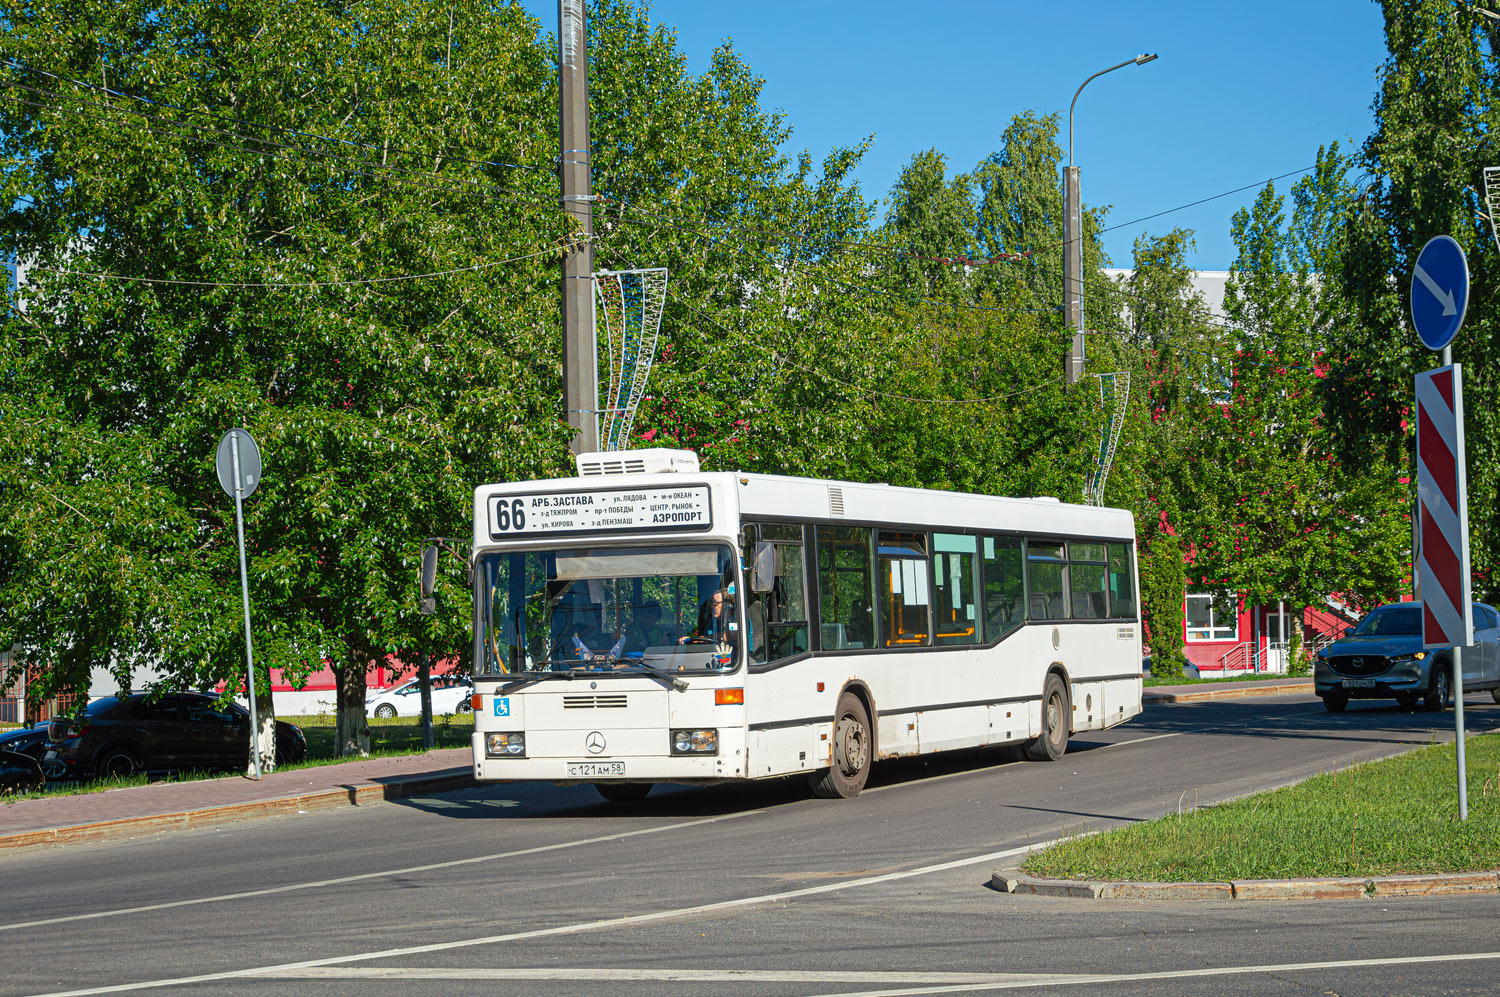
{"x":695,"y":742}
{"x":505,"y":745}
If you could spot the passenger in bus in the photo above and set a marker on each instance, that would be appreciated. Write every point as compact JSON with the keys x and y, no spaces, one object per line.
{"x":646,"y":629}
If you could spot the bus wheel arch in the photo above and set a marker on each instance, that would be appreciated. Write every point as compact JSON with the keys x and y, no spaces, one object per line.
{"x":851,"y":751}
{"x":1057,"y":717}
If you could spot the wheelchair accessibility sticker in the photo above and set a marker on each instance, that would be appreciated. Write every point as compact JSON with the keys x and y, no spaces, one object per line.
{"x":502,"y":706}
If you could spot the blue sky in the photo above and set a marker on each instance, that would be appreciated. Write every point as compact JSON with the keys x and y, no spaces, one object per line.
{"x":1241,"y":92}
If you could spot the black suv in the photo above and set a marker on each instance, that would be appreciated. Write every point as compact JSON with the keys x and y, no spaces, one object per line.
{"x":121,"y":735}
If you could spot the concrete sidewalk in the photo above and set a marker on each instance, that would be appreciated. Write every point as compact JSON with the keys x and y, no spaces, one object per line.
{"x":164,"y":805}
{"x":1281,"y":685}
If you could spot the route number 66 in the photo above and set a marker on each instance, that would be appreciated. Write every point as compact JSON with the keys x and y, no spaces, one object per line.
{"x":509,"y":516}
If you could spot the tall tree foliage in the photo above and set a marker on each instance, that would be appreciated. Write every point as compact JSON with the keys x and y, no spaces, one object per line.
{"x":289,"y":164}
{"x":1283,"y":514}
{"x":1436,"y":114}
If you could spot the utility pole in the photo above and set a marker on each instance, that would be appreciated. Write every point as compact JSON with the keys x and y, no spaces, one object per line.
{"x":1073,"y":233}
{"x":580,"y":344}
{"x":1073,"y":263}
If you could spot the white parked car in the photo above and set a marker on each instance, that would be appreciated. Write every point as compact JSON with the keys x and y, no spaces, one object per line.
{"x":450,"y":694}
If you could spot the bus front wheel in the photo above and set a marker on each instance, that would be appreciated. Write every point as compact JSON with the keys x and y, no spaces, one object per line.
{"x":1054,"y":740}
{"x":851,"y":752}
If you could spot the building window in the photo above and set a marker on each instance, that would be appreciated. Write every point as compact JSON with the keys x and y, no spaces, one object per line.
{"x":1204,"y":623}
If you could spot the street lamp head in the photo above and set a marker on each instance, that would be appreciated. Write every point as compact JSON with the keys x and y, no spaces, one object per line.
{"x":1144,"y":58}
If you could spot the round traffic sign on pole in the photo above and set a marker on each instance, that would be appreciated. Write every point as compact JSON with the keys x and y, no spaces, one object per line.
{"x":249,"y":463}
{"x":1439,"y":291}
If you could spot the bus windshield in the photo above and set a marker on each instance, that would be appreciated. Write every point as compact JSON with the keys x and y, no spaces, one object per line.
{"x":609,"y":608}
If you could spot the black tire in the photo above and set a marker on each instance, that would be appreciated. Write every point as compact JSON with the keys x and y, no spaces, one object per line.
{"x":852,"y":750}
{"x":1056,"y":718}
{"x":1441,"y":693}
{"x":118,"y":763}
{"x":1407,"y":699}
{"x":623,"y":792}
{"x":1495,"y":695}
{"x":385,"y":711}
{"x":1335,"y":702}
{"x":464,"y":706}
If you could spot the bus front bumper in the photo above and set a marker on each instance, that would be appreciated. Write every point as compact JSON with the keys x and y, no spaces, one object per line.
{"x":580,"y":767}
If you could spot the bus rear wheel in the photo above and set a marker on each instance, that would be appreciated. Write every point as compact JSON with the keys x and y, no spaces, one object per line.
{"x":1053,"y":743}
{"x":851,"y":752}
{"x":623,"y":792}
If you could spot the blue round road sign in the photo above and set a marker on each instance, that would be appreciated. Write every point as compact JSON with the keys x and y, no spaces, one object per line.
{"x":1439,"y":291}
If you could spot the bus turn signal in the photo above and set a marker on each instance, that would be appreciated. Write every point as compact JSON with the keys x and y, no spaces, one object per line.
{"x":729,"y":697}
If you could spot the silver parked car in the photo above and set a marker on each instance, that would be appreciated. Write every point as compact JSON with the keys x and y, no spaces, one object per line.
{"x":1383,"y":658}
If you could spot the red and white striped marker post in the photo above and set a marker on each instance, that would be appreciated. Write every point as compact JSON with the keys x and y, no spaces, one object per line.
{"x":1443,"y":516}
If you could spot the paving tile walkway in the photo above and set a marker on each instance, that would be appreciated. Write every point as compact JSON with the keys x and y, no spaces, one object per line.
{"x":159,"y":805}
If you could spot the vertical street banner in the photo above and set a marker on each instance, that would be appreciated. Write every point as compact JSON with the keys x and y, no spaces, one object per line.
{"x":1443,"y":509}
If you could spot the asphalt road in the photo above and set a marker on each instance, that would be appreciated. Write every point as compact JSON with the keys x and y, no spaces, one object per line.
{"x":755,"y":889}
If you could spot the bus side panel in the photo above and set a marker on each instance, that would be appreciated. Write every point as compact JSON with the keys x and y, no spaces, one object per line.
{"x":787,"y":750}
{"x":946,"y":730}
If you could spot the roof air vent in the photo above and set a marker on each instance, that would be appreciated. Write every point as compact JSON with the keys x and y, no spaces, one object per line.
{"x":658,"y":461}
{"x":835,"y":501}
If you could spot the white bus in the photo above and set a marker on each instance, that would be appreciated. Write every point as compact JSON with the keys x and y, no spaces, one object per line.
{"x":647,"y":622}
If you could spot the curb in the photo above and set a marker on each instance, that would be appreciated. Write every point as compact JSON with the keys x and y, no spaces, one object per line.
{"x":1334,"y":888}
{"x":1279,"y":689}
{"x":344,"y":796}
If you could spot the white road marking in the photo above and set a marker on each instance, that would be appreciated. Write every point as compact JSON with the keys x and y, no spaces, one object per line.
{"x":647,"y":975}
{"x":630,"y":920}
{"x":360,"y":877}
{"x":1138,"y":740}
{"x":1174,"y":974}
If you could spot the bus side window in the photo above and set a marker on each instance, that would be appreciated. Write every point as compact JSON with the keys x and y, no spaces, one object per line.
{"x":1121,"y":583}
{"x":1004,"y":586}
{"x":957,"y":610}
{"x":846,"y":590}
{"x":1086,"y":581}
{"x":1046,"y":580}
{"x":904,"y":590}
{"x":777,"y":620}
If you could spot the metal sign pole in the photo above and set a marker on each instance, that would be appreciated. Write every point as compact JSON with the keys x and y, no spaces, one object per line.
{"x":239,"y":527}
{"x":1458,"y":655}
{"x":1439,"y":299}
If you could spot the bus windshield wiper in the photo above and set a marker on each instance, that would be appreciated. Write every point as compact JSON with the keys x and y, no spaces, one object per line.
{"x":659,"y":675}
{"x":532,"y":677}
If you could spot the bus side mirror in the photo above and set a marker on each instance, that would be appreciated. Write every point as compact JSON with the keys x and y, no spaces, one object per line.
{"x":429,"y":571}
{"x":763,"y":575}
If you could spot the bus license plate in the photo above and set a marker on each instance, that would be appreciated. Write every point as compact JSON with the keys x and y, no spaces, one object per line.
{"x":1359,"y":683}
{"x":594,"y":770}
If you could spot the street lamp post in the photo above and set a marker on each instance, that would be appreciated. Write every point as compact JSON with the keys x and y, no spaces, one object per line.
{"x":1073,"y":233}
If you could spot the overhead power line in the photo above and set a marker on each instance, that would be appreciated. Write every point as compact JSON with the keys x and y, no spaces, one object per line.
{"x":287,"y":284}
{"x":244,"y":122}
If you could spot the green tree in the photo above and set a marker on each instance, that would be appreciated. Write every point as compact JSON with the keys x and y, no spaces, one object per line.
{"x":1436,"y":112}
{"x":1277,"y":512}
{"x":255,"y":212}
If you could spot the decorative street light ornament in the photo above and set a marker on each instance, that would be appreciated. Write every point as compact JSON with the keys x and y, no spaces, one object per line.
{"x":630,"y":303}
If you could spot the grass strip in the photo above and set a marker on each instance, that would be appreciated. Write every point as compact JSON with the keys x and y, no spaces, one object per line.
{"x":1152,"y":680}
{"x":1398,"y":815}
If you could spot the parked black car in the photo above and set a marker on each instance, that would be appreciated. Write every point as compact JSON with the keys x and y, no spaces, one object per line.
{"x":121,"y":735}
{"x":33,"y":741}
{"x":20,"y":773}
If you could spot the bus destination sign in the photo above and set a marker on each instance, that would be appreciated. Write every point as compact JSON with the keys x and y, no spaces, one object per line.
{"x":589,"y":512}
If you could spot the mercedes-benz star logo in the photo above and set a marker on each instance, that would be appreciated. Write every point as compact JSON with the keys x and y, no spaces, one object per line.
{"x":594,"y":742}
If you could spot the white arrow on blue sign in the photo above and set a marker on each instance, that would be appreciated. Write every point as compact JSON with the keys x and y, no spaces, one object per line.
{"x":1439,"y":291}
